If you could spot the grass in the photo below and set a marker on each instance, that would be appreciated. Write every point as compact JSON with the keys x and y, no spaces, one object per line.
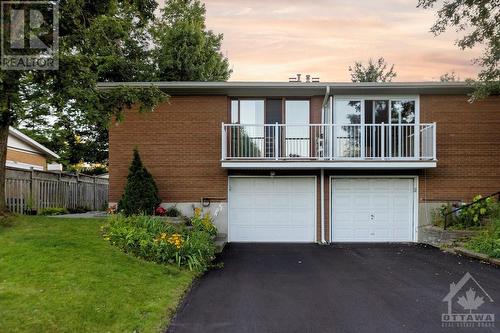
{"x":58,"y":275}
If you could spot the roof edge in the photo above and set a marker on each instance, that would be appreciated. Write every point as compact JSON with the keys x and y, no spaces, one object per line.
{"x":20,"y":135}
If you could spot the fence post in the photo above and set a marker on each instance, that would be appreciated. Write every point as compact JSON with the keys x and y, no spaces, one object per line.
{"x":95,"y":193}
{"x":77,"y":194}
{"x":32,"y":190}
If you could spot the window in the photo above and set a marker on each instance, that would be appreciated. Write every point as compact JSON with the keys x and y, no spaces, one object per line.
{"x":252,"y":112}
{"x":235,"y":112}
{"x":247,"y":140}
{"x":347,"y":112}
{"x":297,"y":136}
{"x":402,"y":112}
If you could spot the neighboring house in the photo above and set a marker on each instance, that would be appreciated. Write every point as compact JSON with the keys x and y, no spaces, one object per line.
{"x":25,"y":153}
{"x":313,"y":162}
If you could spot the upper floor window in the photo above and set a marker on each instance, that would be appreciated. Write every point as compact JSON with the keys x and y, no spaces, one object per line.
{"x":247,"y":111}
{"x":375,"y":110}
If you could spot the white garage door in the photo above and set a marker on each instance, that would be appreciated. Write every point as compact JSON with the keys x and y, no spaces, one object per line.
{"x":272,"y":209}
{"x":372,"y":210}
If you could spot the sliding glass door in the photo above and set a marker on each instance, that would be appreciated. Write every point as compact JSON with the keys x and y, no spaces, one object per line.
{"x":347,"y":135}
{"x":375,"y":128}
{"x":403,"y":139}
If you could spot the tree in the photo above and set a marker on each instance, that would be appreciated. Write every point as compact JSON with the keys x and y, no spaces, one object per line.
{"x":99,"y":41}
{"x":185,"y":50}
{"x":141,"y":193}
{"x":373,"y":72}
{"x":479,"y":21}
{"x":449,"y":77}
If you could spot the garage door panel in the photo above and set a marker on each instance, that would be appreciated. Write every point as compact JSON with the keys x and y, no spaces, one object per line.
{"x":306,"y":200}
{"x":359,"y":199}
{"x":372,"y":210}
{"x":243,"y":200}
{"x":241,"y":216}
{"x":281,"y":209}
{"x":344,"y":201}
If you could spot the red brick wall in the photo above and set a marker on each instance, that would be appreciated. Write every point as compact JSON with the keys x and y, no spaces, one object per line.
{"x":468,"y":147}
{"x":180,"y":144}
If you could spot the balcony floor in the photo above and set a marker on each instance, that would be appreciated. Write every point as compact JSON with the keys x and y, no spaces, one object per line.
{"x":329,"y":164}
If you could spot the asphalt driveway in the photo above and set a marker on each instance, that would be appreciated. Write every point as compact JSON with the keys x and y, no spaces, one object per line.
{"x":348,"y":288}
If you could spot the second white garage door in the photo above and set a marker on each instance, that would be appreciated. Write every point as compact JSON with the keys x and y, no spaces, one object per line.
{"x":272,"y":209}
{"x":372,"y":210}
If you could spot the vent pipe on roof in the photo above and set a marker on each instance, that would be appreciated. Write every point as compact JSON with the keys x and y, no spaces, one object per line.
{"x":309,"y":78}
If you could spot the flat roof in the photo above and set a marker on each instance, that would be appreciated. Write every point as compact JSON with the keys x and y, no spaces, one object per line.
{"x":255,"y":88}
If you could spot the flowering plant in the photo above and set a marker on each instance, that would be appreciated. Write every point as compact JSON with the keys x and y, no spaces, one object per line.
{"x":157,"y":240}
{"x":160,"y":211}
{"x":203,"y":222}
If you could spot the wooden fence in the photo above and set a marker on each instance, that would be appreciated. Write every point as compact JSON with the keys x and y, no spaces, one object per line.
{"x":26,"y":190}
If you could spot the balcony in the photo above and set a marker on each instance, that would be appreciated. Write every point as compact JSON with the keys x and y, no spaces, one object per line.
{"x":335,"y":146}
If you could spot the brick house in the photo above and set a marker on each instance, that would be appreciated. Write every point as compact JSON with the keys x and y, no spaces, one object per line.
{"x":313,"y":162}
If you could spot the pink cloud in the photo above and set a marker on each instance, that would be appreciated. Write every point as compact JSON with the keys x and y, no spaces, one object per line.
{"x":272,"y":40}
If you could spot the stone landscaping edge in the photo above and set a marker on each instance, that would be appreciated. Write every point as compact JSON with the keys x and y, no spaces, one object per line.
{"x":471,"y":254}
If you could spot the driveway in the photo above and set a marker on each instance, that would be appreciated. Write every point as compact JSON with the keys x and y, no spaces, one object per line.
{"x":348,"y":288}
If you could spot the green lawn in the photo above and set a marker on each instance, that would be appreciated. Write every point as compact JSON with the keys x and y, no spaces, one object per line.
{"x":59,"y":275}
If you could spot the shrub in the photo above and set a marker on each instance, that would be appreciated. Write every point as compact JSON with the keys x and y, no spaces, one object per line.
{"x":155,"y":239}
{"x":53,"y":211}
{"x":479,"y":209}
{"x":471,"y":216}
{"x":141,"y":193}
{"x":173,"y":212}
{"x":78,"y":210}
{"x":488,"y":241}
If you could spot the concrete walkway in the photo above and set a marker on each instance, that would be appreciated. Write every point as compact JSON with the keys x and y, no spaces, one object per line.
{"x":86,"y":215}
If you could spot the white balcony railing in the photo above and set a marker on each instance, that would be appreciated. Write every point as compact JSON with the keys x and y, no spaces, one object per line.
{"x":336,"y":142}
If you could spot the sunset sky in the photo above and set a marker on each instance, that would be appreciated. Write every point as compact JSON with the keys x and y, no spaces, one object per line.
{"x":273,"y":39}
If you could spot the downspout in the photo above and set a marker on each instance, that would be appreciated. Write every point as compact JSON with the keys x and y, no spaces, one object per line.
{"x":322,"y":186}
{"x":325,"y":102}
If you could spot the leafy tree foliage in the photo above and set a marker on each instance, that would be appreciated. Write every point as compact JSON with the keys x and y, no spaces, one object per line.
{"x":104,"y":40}
{"x":141,"y":193}
{"x":479,"y":21}
{"x":185,"y":49}
{"x":373,"y":72}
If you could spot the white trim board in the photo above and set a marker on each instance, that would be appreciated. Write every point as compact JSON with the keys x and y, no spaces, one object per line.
{"x":360,"y":165}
